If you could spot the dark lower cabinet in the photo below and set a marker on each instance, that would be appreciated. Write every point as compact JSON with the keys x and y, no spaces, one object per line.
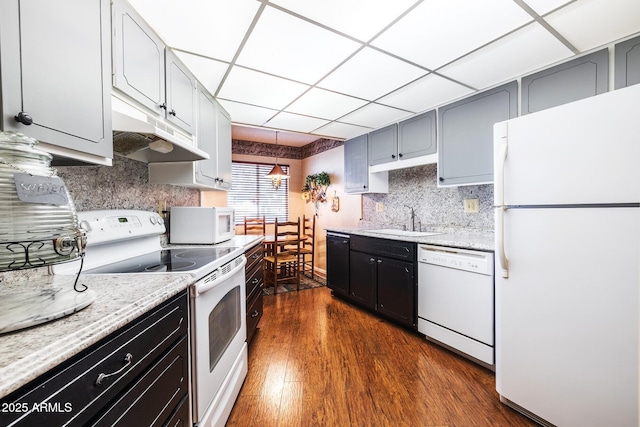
{"x":254,"y":285}
{"x":136,"y":376}
{"x":363,"y":271}
{"x":377,"y":274}
{"x":396,"y":290}
{"x":338,"y":264}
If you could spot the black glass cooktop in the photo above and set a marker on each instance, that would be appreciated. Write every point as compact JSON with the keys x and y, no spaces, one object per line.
{"x":165,"y":261}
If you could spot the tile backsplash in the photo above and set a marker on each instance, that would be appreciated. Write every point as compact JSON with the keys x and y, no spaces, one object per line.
{"x":436,"y":209}
{"x":125,"y":185}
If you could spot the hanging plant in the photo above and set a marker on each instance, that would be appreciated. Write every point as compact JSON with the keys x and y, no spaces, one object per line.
{"x":315,"y":188}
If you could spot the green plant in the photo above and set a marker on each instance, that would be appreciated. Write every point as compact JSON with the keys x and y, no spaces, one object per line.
{"x":321,"y":179}
{"x":315,"y":186}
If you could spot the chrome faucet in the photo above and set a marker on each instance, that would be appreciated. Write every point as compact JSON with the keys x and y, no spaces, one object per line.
{"x":413,"y":218}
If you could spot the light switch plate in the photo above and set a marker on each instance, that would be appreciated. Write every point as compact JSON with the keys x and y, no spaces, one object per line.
{"x":471,"y":205}
{"x":379,"y":207}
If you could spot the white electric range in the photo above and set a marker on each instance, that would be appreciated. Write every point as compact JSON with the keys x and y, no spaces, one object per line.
{"x":128,"y":242}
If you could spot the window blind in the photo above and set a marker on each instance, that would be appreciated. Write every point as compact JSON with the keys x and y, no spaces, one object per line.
{"x":252,"y":194}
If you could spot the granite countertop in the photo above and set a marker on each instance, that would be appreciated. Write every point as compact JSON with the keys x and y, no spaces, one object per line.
{"x":29,"y":353}
{"x":455,"y":240}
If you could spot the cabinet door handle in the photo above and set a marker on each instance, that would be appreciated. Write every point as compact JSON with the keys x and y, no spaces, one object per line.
{"x":172,"y":113}
{"x":163,"y":106}
{"x":372,"y":260}
{"x":127,"y":359}
{"x":24,"y":118}
{"x":399,"y":154}
{"x":254,"y":281}
{"x":255,"y":313}
{"x":379,"y":261}
{"x":393,"y":156}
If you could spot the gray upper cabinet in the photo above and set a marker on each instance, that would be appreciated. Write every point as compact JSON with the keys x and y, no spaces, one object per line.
{"x":223,"y":122}
{"x":356,"y":169}
{"x":465,"y":153}
{"x":417,"y":136}
{"x":356,"y":165}
{"x":181,"y":93}
{"x":383,"y":145}
{"x":567,"y":82}
{"x":627,"y":63}
{"x":55,"y":88}
{"x":214,"y":137}
{"x":148,"y":72}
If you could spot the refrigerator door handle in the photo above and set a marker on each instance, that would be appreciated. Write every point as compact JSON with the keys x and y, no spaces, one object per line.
{"x":500,"y":145}
{"x":502,"y":256}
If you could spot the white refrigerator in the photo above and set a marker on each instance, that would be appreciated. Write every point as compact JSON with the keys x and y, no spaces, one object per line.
{"x":567,"y":212}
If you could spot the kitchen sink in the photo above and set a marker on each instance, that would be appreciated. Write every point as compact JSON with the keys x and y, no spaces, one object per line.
{"x":403,"y":232}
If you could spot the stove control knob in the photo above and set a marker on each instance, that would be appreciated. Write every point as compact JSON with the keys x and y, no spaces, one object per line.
{"x":152,"y":219}
{"x":84,"y":225}
{"x":160,"y":220}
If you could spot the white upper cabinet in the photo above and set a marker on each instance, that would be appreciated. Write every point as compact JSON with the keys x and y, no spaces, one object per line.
{"x":55,"y":76}
{"x":150,"y":73}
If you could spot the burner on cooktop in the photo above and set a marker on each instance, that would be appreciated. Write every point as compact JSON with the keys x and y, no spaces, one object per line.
{"x":170,"y":266}
{"x":165,"y":260}
{"x":202,"y":252}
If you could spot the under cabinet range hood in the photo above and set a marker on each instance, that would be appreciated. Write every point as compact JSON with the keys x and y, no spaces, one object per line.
{"x":141,"y":136}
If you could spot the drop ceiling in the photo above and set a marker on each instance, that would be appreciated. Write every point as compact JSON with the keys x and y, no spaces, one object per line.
{"x":340,"y":68}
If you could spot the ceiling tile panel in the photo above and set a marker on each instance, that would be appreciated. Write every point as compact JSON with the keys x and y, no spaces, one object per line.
{"x":213,"y":28}
{"x":325,"y":104}
{"x":374,"y":116}
{"x":293,"y":48}
{"x":254,"y":134}
{"x":371,"y":74}
{"x":588,"y":24}
{"x":247,"y":114}
{"x":295,"y":122}
{"x":437,"y":32}
{"x":545,"y":6}
{"x":361,"y":19}
{"x":208,"y":71}
{"x":425,"y":94}
{"x":340,"y":130}
{"x":530,"y":48}
{"x":256,"y":88}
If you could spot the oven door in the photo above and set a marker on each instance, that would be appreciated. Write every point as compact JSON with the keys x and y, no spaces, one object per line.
{"x":218,"y":339}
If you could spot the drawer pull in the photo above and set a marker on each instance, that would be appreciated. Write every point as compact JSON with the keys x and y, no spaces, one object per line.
{"x":254,"y":256}
{"x":255,"y":281}
{"x":102,"y":376}
{"x":255,"y":313}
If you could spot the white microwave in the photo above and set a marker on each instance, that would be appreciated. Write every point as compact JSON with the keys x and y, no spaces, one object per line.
{"x":201,"y":225}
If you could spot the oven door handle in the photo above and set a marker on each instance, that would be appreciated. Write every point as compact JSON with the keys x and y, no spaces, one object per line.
{"x":204,"y":287}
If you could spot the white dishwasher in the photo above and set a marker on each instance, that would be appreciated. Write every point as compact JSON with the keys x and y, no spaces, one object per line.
{"x":456,"y":300}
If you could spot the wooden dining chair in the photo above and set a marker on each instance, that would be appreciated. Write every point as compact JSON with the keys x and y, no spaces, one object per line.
{"x":307,"y":246}
{"x":282,"y":264}
{"x":255,"y":225}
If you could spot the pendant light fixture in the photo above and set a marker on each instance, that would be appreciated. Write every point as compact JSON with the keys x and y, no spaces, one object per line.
{"x":277,"y":174}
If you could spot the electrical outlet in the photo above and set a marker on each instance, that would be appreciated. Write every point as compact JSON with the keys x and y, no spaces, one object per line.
{"x":379,"y":207}
{"x":471,"y":205}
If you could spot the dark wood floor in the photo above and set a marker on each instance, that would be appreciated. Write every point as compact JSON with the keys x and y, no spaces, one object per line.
{"x":318,"y":361}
